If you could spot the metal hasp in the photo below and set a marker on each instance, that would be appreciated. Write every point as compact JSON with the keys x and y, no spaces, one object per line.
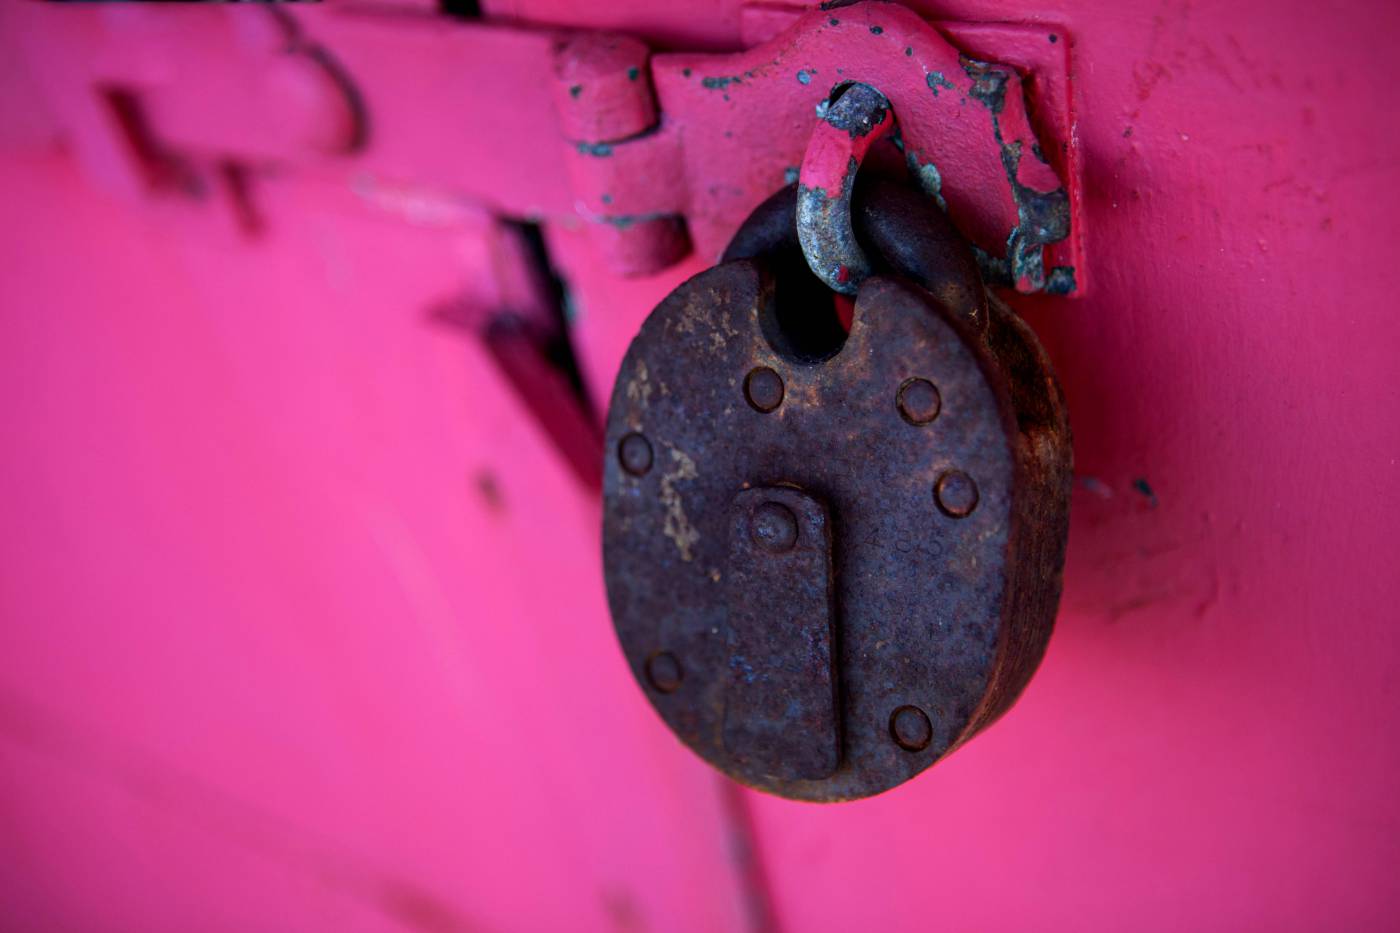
{"x":832,"y":560}
{"x":637,"y":144}
{"x":967,"y":129}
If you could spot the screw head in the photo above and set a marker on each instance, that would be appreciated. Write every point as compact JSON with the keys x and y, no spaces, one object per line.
{"x":918,"y":401}
{"x":910,"y":728}
{"x":634,"y":453}
{"x":774,"y":527}
{"x":664,"y":671}
{"x":956,"y":494}
{"x":763,"y":387}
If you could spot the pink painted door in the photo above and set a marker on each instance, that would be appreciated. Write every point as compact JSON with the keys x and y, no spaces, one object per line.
{"x":302,"y":623}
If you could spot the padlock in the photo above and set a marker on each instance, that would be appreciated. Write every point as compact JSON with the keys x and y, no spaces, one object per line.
{"x":833,"y":557}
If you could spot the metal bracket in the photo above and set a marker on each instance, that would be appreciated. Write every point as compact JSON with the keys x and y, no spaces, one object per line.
{"x":655,"y":153}
{"x":1003,"y":166}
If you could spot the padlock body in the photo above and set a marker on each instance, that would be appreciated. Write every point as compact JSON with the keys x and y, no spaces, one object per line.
{"x":938,"y":452}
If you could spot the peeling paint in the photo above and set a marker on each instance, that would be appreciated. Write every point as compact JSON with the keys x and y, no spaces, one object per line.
{"x":936,"y":80}
{"x":1042,"y":217}
{"x":858,"y":121}
{"x":623,"y":221}
{"x":930,"y":180}
{"x":988,"y":84}
{"x":1061,"y":281}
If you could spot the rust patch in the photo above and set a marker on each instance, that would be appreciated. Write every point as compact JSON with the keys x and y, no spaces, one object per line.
{"x":677,"y":526}
{"x":639,"y":387}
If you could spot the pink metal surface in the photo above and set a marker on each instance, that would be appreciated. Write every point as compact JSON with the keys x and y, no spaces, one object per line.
{"x":301,"y":616}
{"x":764,"y":102}
{"x":149,"y":99}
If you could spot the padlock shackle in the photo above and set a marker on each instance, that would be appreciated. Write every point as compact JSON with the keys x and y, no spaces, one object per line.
{"x":903,"y":230}
{"x":852,"y":119}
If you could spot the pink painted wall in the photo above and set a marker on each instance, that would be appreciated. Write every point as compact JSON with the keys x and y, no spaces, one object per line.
{"x":301,"y":617}
{"x":1213,"y":741}
{"x":271,"y":657}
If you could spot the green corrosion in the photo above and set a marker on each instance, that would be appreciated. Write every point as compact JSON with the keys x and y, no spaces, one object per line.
{"x":1042,"y":217}
{"x":929,"y":178}
{"x":988,"y":85}
{"x":1061,"y":281}
{"x":624,"y":221}
{"x":936,"y":80}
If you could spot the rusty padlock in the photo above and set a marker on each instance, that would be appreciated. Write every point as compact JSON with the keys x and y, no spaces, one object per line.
{"x":833,"y":558}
